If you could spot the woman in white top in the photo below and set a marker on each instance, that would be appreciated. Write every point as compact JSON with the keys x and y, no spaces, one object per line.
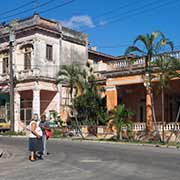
{"x":35,"y":137}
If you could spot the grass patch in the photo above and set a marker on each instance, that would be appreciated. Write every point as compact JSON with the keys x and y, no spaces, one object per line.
{"x":11,"y":133}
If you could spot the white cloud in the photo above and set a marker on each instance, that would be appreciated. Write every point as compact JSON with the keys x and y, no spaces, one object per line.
{"x":102,"y":23}
{"x":78,"y":22}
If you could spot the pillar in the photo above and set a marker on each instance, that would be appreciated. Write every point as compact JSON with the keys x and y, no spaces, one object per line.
{"x":36,"y":101}
{"x":111,"y":97}
{"x":18,"y":126}
{"x":149,"y":114}
{"x":58,"y":99}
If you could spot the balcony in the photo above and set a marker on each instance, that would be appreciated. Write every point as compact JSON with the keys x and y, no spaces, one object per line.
{"x":4,"y":77}
{"x":126,"y":65}
{"x":48,"y":73}
{"x":28,"y":74}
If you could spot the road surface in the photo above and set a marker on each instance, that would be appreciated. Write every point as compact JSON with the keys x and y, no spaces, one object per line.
{"x":89,"y":161}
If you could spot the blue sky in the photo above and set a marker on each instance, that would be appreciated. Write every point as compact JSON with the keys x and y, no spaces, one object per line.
{"x":110,"y":24}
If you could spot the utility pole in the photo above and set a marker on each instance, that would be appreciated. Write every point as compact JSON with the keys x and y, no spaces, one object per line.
{"x":11,"y":77}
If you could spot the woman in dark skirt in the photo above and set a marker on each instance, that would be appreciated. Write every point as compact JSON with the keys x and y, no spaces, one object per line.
{"x":35,"y":138}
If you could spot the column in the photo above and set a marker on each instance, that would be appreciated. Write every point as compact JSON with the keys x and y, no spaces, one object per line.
{"x":18,"y":126}
{"x":58,"y":98}
{"x":36,"y":101}
{"x":111,"y":97}
{"x":149,"y":115}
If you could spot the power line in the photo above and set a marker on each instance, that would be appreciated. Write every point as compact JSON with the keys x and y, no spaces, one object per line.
{"x":114,"y":46}
{"x":146,"y":8}
{"x":156,"y":2}
{"x":142,"y":12}
{"x":27,"y":10}
{"x":58,"y":6}
{"x":17,"y":8}
{"x":112,"y":10}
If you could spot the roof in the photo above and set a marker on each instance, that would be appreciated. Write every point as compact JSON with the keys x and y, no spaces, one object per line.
{"x":110,"y":57}
{"x":41,"y":23}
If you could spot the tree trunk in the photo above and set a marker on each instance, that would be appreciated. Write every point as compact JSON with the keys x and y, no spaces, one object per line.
{"x":75,"y":116}
{"x":118,"y":135}
{"x":162,"y":112}
{"x":154,"y":116}
{"x":78,"y":127}
{"x":149,"y":114}
{"x":177,"y":118}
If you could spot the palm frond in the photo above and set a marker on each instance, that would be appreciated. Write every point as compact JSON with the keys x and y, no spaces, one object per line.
{"x":143,"y":39}
{"x":163,"y":43}
{"x":132,"y":49}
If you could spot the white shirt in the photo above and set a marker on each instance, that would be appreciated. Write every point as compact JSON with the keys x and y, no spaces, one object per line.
{"x":38,"y":130}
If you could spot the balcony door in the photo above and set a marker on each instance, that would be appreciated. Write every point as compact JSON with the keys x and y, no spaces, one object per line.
{"x":27,"y":58}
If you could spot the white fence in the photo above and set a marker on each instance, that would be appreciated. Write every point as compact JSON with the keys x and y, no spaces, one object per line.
{"x":167,"y":127}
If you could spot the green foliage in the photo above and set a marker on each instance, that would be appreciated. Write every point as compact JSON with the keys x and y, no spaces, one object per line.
{"x":149,"y":45}
{"x":12,"y":133}
{"x":90,"y":105}
{"x":72,"y":75}
{"x":121,"y":118}
{"x":167,"y":69}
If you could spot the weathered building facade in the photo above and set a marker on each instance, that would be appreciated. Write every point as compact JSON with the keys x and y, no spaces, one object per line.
{"x":41,"y":46}
{"x":124,"y":81}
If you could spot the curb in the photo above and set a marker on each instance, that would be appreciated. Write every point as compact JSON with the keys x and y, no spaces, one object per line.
{"x":102,"y":142}
{"x":117,"y":143}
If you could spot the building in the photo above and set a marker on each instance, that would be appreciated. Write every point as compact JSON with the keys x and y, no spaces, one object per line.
{"x":124,"y":83}
{"x":40,"y":48}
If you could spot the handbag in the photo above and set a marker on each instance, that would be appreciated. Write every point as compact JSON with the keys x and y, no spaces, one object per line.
{"x":48,"y":133}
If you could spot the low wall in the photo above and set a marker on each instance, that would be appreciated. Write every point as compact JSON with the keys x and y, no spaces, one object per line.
{"x":138,"y":133}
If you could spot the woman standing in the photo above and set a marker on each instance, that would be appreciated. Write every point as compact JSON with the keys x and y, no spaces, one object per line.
{"x":35,"y":138}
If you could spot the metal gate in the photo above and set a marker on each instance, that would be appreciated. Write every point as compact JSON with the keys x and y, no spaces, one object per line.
{"x":25,"y":116}
{"x":5,"y":112}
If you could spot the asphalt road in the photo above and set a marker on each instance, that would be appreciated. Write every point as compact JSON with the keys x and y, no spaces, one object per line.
{"x":89,"y":161}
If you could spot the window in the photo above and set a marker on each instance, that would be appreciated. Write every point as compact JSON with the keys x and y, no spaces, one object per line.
{"x":49,"y":52}
{"x":5,"y":65}
{"x":27,"y":58}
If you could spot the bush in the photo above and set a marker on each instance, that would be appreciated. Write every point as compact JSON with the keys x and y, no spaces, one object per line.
{"x":11,"y":133}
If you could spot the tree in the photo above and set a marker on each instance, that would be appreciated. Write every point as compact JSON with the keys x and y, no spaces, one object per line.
{"x":150,"y":45}
{"x":167,"y":70}
{"x":120,"y":119}
{"x":72,"y":75}
{"x":90,"y":105}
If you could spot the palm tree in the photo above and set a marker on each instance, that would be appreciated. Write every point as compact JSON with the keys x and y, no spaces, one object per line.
{"x":120,"y":119}
{"x":167,"y":70}
{"x":150,"y":45}
{"x":72,"y":75}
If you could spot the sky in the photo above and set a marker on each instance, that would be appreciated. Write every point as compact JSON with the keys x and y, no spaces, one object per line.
{"x":111,"y":25}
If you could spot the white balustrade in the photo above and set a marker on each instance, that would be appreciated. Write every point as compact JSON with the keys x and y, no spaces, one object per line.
{"x":138,"y":62}
{"x":168,"y":127}
{"x":139,"y":126}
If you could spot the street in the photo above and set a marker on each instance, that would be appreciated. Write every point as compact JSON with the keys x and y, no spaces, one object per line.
{"x":74,"y":160}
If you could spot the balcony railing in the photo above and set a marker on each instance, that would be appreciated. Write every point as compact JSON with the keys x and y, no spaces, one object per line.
{"x":48,"y":72}
{"x":129,"y":64}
